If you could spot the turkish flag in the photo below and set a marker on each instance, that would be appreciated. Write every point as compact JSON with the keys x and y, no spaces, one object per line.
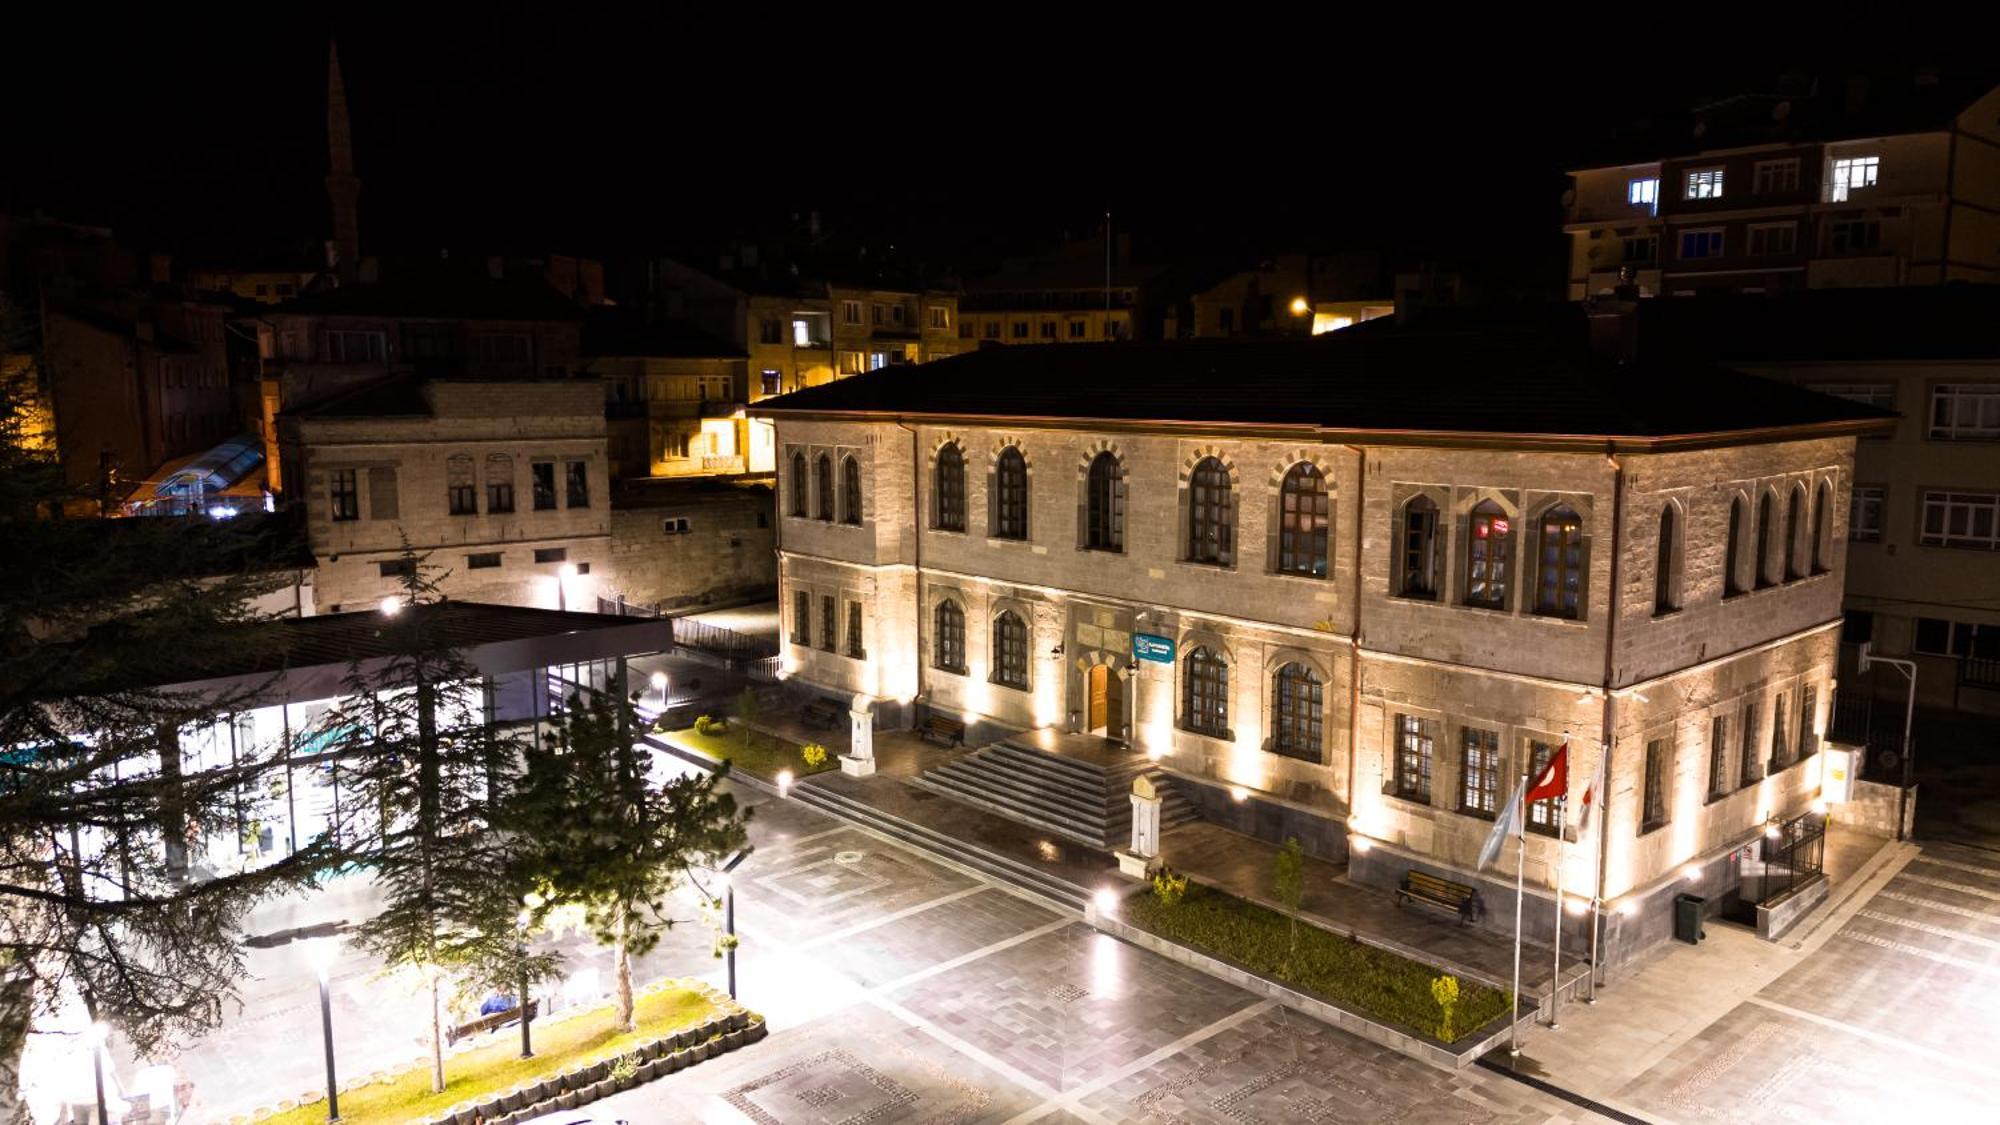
{"x":1554,"y":781}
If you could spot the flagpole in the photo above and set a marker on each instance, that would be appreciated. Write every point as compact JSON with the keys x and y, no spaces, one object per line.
{"x":1555,"y":983}
{"x":1520,"y":889}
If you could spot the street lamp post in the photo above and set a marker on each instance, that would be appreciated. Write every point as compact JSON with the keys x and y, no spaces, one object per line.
{"x":563,"y":577}
{"x":729,"y":913}
{"x":532,"y":901}
{"x":660,"y":685}
{"x":99,"y":1032}
{"x":322,"y":953}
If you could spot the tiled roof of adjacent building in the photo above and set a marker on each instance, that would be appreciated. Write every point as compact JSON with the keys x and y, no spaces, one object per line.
{"x":1532,"y":377}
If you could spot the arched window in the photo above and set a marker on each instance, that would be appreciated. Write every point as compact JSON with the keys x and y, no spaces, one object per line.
{"x":823,"y":468}
{"x":1559,"y":577}
{"x":1767,"y":560}
{"x":1489,"y":556}
{"x":1732,"y":562}
{"x":1296,"y":713}
{"x":1207,"y":694}
{"x":1208,"y":513}
{"x":1010,"y":650}
{"x":1010,"y":495}
{"x":1667,"y":565}
{"x":1302,"y":522}
{"x":499,"y":482}
{"x":1104,"y":505}
{"x":799,"y":488}
{"x":850,"y":490}
{"x":1822,"y":530}
{"x":949,"y":650}
{"x":1418,"y":552}
{"x":1795,"y":534}
{"x":950,"y":488}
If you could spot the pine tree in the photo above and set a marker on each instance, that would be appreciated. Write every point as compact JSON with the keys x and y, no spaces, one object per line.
{"x":104,"y":905}
{"x":603,"y":838}
{"x":425,"y":765}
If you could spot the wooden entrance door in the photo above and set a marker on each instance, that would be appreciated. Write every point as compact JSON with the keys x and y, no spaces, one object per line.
{"x":1100,"y":698}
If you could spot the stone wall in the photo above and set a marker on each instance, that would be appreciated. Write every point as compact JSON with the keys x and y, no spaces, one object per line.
{"x":1871,"y":808}
{"x":682,"y":545}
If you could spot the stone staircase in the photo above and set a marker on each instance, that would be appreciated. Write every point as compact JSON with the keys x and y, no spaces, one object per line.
{"x":1084,"y":797}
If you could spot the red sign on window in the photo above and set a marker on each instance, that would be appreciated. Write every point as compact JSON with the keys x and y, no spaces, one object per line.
{"x":1499,"y":527}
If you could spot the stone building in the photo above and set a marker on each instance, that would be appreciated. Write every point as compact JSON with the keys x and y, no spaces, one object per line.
{"x":689,"y":542}
{"x":676,"y":399}
{"x":1349,"y":588}
{"x":502,"y":482}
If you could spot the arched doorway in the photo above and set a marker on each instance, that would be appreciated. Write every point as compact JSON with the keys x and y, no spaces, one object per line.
{"x":1105,"y":713}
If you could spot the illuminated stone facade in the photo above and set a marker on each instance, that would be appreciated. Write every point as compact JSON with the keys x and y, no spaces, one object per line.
{"x":1326,"y":665}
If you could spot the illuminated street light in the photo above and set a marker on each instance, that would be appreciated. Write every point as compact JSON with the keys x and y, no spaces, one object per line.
{"x":564,"y":576}
{"x":784,"y":782}
{"x":729,"y":912}
{"x":1106,"y":900}
{"x":660,"y":685}
{"x":1300,"y":306}
{"x":321,"y":954}
{"x":96,"y":1036}
{"x":391,"y":606}
{"x":533,"y":902}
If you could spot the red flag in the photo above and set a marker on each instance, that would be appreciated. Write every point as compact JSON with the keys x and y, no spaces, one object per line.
{"x":1554,"y":781}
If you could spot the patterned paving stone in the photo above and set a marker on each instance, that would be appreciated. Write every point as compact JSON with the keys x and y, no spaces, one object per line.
{"x":934,"y":936}
{"x":1278,"y":1066}
{"x":826,"y":883}
{"x":1133,"y":1003}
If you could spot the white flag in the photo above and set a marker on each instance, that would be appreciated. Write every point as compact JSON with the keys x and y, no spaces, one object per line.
{"x":1509,"y":821}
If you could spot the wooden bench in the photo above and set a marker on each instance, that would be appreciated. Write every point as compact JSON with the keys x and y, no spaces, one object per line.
{"x":822,"y":714}
{"x":942,"y":730}
{"x":488,"y":1022}
{"x":1441,"y":893}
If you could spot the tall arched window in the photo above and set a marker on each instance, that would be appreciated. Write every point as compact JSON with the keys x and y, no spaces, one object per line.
{"x":850,"y":490}
{"x":1417,"y":554}
{"x":1010,"y":650}
{"x":1207,"y":694}
{"x":1795,"y":534}
{"x":1559,"y":573}
{"x":950,"y":488}
{"x":1732,"y":561}
{"x":1302,"y":522}
{"x":949,"y":649}
{"x":824,"y":470}
{"x":799,"y":488}
{"x":1667,"y":563}
{"x":1822,"y":530}
{"x":1010,"y":495}
{"x":1296,"y":712}
{"x":1489,"y":556}
{"x":1767,"y":559}
{"x":1104,"y":505}
{"x":1209,"y":529}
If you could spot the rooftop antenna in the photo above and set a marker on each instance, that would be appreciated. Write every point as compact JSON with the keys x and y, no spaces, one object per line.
{"x":1107,"y":265}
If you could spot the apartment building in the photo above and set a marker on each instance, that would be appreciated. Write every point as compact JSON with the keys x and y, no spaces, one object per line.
{"x":1086,"y":292}
{"x":676,"y":399}
{"x":1856,"y":184}
{"x":1924,"y":524}
{"x":1349,"y":588}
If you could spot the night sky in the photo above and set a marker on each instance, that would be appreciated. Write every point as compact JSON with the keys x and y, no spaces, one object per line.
{"x":953,"y":133}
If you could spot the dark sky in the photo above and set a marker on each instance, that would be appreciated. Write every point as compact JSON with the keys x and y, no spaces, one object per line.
{"x":953,"y":132}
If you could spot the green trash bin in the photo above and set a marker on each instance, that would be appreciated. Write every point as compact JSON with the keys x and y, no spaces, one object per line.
{"x":1687,"y":918}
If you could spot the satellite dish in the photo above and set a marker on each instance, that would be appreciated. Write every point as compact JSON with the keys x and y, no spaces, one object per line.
{"x":1569,"y":197}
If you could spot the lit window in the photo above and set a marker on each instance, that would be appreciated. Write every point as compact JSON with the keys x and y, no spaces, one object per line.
{"x":1644,"y":193}
{"x":1414,"y":746}
{"x":801,"y":333}
{"x":1302,"y":522}
{"x":1704,"y":243}
{"x":1207,"y":693}
{"x":950,"y":651}
{"x":1297,"y":713}
{"x":1327,"y":322}
{"x":1479,"y":795}
{"x":1489,"y":557}
{"x":1010,"y":651}
{"x":1705,"y":183}
{"x":1850,"y":174}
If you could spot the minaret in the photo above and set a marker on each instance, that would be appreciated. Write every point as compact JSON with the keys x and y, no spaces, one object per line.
{"x":343,"y":187}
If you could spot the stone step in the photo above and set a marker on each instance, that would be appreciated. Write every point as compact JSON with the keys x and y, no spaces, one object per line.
{"x":1084,"y":770}
{"x":1025,"y":774}
{"x":1061,"y":824}
{"x":1024,"y":791}
{"x":1058,"y":892}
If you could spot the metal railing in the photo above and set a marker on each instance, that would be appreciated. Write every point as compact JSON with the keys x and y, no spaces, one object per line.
{"x":718,"y":641}
{"x":1979,"y":671}
{"x":1793,"y":856}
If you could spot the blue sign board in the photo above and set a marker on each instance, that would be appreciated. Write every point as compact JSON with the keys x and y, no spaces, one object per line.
{"x":1146,"y":646}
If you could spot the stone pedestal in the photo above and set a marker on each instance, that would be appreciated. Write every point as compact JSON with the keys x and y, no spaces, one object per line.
{"x":859,"y":761}
{"x":1145,"y":818}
